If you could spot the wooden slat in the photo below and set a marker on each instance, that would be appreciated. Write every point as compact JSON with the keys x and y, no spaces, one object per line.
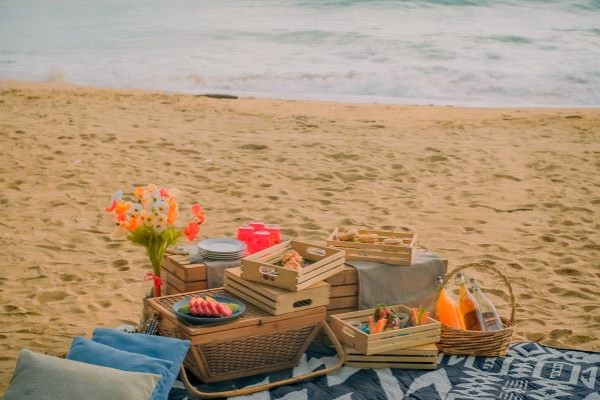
{"x":343,"y":302}
{"x":179,"y":265}
{"x":182,"y":286}
{"x":348,"y":276}
{"x":344,"y":290}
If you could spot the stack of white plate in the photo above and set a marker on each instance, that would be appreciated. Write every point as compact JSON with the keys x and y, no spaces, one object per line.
{"x":222,"y":249}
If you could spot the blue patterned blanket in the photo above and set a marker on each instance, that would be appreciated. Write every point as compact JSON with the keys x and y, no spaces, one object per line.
{"x":530,"y":371}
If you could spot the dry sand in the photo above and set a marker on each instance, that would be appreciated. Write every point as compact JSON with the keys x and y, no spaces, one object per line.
{"x":516,"y":188}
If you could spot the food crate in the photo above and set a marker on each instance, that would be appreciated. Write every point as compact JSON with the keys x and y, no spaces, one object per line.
{"x":400,"y":255}
{"x":368,"y":344}
{"x":272,"y":299}
{"x":419,"y":357}
{"x":343,"y":291}
{"x":254,"y":343}
{"x":181,"y":276}
{"x":262,"y":266}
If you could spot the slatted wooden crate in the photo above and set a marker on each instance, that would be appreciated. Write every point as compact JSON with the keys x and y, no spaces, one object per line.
{"x":181,"y":276}
{"x":376,"y":343}
{"x":262,"y":266}
{"x":254,"y":343}
{"x":419,"y":357}
{"x":400,"y":255}
{"x":343,"y":291}
{"x":274,"y":300}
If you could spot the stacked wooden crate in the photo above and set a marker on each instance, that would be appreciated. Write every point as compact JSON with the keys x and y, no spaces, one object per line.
{"x":181,"y":276}
{"x":411,"y":347}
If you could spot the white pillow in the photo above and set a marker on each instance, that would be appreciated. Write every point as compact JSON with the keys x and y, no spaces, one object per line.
{"x":42,"y":377}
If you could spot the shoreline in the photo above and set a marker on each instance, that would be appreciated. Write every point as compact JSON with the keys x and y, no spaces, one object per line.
{"x":451,"y":174}
{"x":359,"y":100}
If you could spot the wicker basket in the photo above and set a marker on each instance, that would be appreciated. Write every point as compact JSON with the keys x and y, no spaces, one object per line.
{"x":478,"y":343}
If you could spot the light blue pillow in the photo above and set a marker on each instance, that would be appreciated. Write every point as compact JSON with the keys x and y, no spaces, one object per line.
{"x":42,"y":377}
{"x":165,"y":348}
{"x":90,"y":352}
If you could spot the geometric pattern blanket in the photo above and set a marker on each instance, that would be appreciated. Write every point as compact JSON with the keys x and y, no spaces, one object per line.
{"x":529,"y":371}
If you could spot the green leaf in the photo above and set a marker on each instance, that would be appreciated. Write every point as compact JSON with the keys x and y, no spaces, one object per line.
{"x":184,"y":309}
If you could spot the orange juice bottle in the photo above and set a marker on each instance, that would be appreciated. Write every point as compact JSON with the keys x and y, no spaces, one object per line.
{"x":446,"y":308}
{"x":469,"y":308}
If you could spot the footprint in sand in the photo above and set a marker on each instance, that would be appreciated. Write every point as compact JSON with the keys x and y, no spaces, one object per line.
{"x":51,"y":295}
{"x":121,"y":264}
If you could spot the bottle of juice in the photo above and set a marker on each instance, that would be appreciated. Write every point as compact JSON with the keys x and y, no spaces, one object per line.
{"x":491,"y":319}
{"x":469,"y":308}
{"x":446,"y":308}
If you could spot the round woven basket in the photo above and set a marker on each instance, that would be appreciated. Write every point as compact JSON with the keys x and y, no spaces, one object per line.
{"x":478,"y":343}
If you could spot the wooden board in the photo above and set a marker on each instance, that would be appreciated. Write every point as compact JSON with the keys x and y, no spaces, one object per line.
{"x":261,"y":267}
{"x":272,"y":299}
{"x":396,"y":255}
{"x":420,"y":357}
{"x":369,"y":344}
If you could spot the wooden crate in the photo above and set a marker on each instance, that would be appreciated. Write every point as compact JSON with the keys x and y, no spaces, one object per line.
{"x":387,"y":254}
{"x":343,"y":291}
{"x":252,"y":344}
{"x":272,"y":299}
{"x":419,"y":357}
{"x":396,"y":339}
{"x":181,"y":276}
{"x":261,"y":267}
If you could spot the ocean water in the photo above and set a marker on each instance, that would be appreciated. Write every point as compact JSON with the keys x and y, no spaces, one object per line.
{"x":460,"y":52}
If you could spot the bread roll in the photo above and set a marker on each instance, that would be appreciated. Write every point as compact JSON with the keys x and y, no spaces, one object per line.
{"x":347,"y":235}
{"x":293,"y":265}
{"x":368,"y":238}
{"x":291,"y":255}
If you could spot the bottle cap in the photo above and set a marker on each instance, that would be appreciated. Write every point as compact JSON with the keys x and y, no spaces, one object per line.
{"x":439,"y":281}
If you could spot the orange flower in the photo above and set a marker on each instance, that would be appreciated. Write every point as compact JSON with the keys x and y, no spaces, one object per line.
{"x":133,"y":223}
{"x":172,"y":215}
{"x":191,"y":231}
{"x":139,"y":192}
{"x":112,"y":206}
{"x":165,"y":194}
{"x":198,"y":213}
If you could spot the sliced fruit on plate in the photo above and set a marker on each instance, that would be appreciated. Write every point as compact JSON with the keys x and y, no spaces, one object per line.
{"x":207,"y":307}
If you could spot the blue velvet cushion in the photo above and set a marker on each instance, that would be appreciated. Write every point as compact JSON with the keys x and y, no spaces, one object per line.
{"x":165,"y":348}
{"x":90,"y":352}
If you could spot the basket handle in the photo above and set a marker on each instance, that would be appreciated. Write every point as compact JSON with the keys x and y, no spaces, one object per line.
{"x":490,"y":268}
{"x":254,"y":389}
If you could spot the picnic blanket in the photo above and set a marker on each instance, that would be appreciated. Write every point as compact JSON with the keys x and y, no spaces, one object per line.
{"x":529,"y":371}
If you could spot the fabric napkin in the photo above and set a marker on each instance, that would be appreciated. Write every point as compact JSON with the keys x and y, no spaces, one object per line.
{"x":214,"y":268}
{"x":390,"y":284}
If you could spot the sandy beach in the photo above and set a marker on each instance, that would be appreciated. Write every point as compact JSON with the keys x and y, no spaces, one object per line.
{"x":515,"y":188}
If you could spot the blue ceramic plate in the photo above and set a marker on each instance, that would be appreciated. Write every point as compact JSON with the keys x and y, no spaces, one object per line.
{"x":208,"y":320}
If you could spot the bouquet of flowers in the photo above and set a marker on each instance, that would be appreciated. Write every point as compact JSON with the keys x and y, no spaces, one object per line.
{"x":148,"y":221}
